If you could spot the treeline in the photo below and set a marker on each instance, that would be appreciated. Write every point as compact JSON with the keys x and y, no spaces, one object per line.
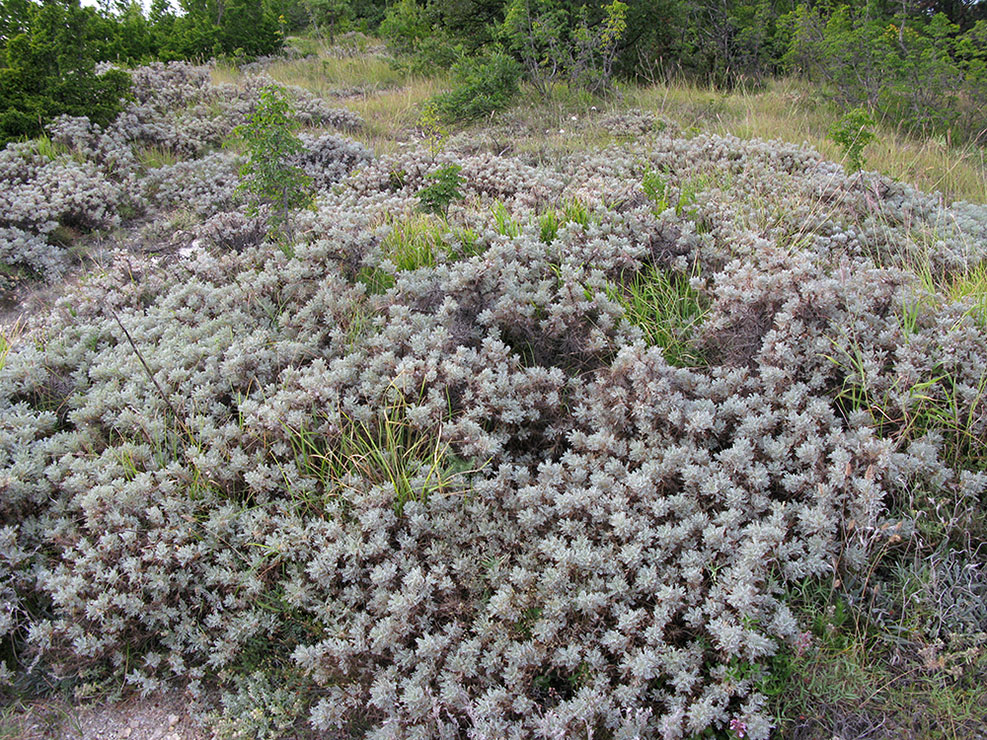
{"x":51,"y":51}
{"x":725,"y":42}
{"x":918,"y":63}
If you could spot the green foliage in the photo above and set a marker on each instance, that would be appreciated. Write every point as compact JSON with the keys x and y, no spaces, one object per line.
{"x":466,"y":244}
{"x":548,"y":224}
{"x":667,"y":309}
{"x":916,"y":70}
{"x":329,"y":16}
{"x":555,"y":43}
{"x":237,"y":29}
{"x":435,"y":198}
{"x":434,"y":133}
{"x":269,"y":175}
{"x":729,"y":42}
{"x":388,"y":450}
{"x":49,"y":149}
{"x":504,"y":222}
{"x":971,"y":290}
{"x":571,"y":211}
{"x":154,"y":156}
{"x":852,"y":133}
{"x":483,"y":85}
{"x":436,"y":53}
{"x":414,"y":241}
{"x":8,"y":337}
{"x":405,"y":26}
{"x":657,"y":189}
{"x":49,"y":68}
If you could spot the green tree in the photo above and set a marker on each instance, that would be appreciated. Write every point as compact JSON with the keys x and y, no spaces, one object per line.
{"x":444,"y":189}
{"x":483,"y":85}
{"x":852,"y":133}
{"x":209,"y":28}
{"x":50,"y":69}
{"x":554,"y":43}
{"x":245,"y":29}
{"x":269,"y":176}
{"x":329,"y":16}
{"x":15,"y":18}
{"x":908,"y":69}
{"x":405,"y":26}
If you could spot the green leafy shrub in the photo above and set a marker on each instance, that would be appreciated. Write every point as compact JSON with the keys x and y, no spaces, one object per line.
{"x":330,"y":16}
{"x":437,"y":197}
{"x":405,"y":26}
{"x":235,"y":29}
{"x":269,"y":176}
{"x":915,"y":70}
{"x":482,"y":86}
{"x":49,"y":69}
{"x":556,"y":44}
{"x":852,"y":133}
{"x":436,"y":52}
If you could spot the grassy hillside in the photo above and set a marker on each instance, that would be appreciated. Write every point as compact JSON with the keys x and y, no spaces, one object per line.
{"x":612,"y":418}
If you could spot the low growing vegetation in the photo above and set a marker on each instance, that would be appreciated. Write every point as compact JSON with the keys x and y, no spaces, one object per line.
{"x":580,"y":420}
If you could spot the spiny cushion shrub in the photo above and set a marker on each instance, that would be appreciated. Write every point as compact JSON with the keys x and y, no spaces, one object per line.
{"x":479,"y":499}
{"x":94,"y":177}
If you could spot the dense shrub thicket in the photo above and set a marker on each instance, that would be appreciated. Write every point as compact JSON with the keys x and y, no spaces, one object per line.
{"x":47,"y":68}
{"x":163,"y":149}
{"x":435,"y":475}
{"x":49,"y":50}
{"x":921,"y":65}
{"x":918,"y":65}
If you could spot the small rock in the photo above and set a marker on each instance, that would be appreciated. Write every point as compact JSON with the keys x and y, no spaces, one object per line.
{"x":172,"y":720}
{"x":127,"y":732}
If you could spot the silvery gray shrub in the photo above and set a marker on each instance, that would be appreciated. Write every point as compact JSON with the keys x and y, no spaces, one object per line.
{"x":607,"y":552}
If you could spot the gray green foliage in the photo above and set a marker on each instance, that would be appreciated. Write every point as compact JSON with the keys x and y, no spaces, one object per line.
{"x":440,"y":477}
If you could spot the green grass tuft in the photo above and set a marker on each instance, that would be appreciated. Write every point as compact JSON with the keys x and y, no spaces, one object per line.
{"x":666,"y":308}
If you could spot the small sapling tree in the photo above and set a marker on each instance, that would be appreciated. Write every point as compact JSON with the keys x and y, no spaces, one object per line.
{"x":852,"y":133}
{"x":270,"y":176}
{"x":435,"y":198}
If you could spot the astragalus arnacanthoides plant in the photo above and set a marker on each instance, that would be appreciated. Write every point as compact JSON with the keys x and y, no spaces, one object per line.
{"x":480,"y":496}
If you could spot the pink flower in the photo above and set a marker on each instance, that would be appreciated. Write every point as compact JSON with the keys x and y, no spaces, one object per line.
{"x":738,"y":726}
{"x":802,"y":643}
